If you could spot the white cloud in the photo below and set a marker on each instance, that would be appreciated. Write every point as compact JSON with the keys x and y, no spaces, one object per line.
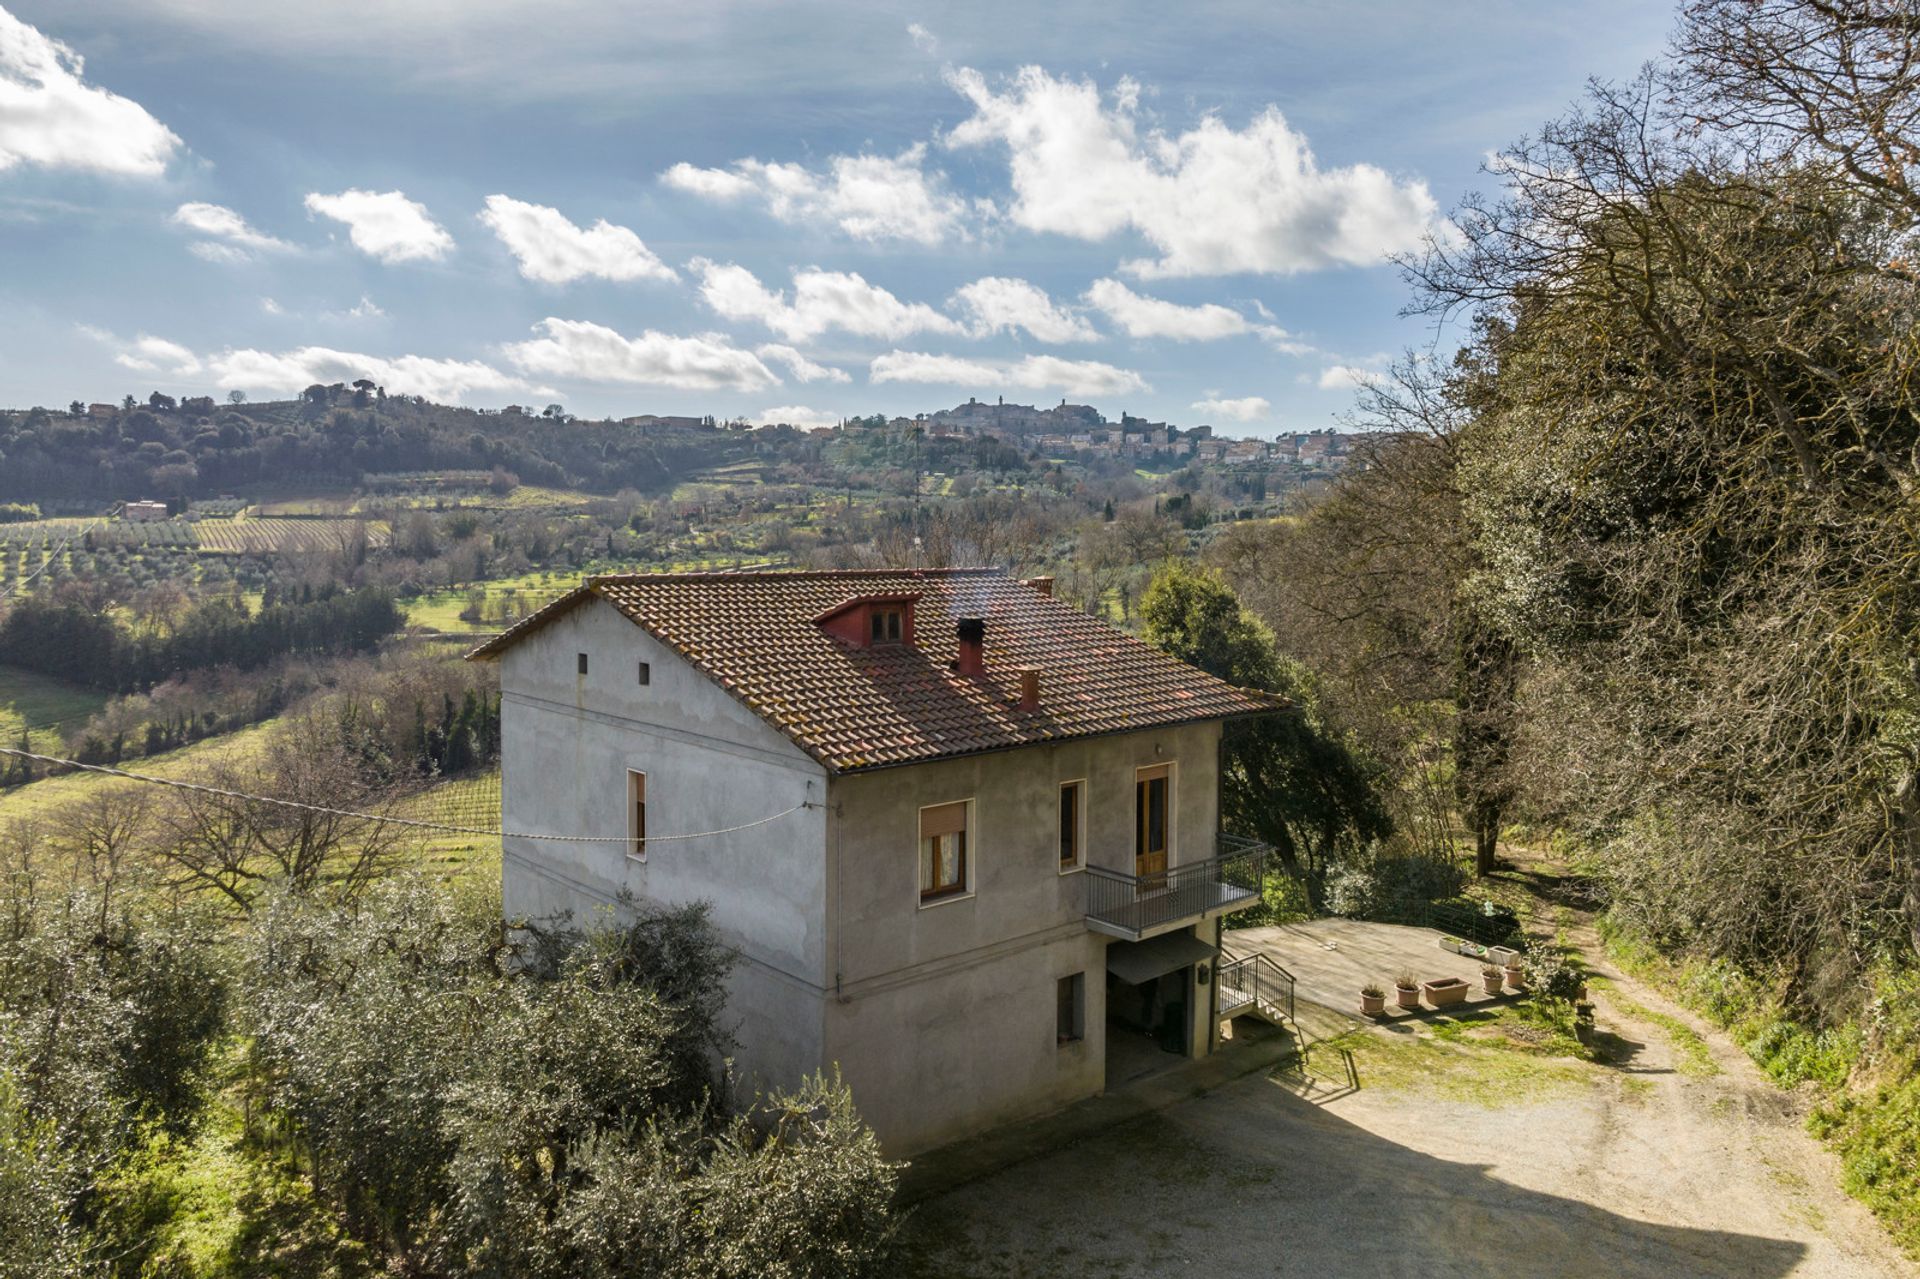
{"x":799,"y":415}
{"x":230,"y":238}
{"x":1348,"y":377}
{"x":997,"y":302}
{"x":1144,"y":317}
{"x":214,"y":251}
{"x":448,"y":381}
{"x":553,"y":250}
{"x":595,"y":353}
{"x":923,"y":39}
{"x":50,"y":118}
{"x":1282,"y":341}
{"x":822,"y":301}
{"x":1036,"y":372}
{"x":870,"y":197}
{"x":272,"y":307}
{"x":148,"y":354}
{"x":1247,"y":409}
{"x":365,"y":309}
{"x":385,"y":224}
{"x":803,"y":369}
{"x":1213,"y":200}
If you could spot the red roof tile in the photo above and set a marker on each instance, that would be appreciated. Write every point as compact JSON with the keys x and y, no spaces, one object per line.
{"x":756,"y":635}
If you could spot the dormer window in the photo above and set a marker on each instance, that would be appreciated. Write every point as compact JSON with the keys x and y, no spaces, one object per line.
{"x":866,"y":621}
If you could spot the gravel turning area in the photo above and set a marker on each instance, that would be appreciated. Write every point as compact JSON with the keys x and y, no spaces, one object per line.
{"x":1435,"y":1148}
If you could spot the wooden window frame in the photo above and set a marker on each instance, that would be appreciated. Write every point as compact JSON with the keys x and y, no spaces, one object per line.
{"x":1079,"y":861}
{"x":886,"y":624}
{"x":636,"y":815}
{"x":964,"y":889}
{"x":1171,"y":770}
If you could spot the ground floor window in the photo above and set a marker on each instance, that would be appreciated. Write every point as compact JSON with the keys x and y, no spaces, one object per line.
{"x":1070,"y":1014}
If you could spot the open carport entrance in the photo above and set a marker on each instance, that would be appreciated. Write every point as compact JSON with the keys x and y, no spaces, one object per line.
{"x":1150,"y":989}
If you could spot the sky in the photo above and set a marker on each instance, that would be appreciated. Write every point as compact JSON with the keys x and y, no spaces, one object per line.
{"x":780,"y":211}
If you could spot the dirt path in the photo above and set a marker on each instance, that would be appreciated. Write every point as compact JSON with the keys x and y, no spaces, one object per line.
{"x":1439,"y":1149}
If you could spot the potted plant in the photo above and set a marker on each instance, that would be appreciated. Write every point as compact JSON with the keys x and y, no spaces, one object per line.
{"x":1451,"y":944}
{"x":1516,"y":978}
{"x":1491,"y":976}
{"x":1373,"y":1000}
{"x":1443,"y":992}
{"x":1504,"y":956}
{"x":1406,"y":990}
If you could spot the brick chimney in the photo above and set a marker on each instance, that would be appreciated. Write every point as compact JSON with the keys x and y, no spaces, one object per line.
{"x":1029,"y":688}
{"x":972,"y":634}
{"x":1044,"y":585}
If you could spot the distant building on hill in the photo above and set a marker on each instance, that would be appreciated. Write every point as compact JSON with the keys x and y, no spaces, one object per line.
{"x":143,"y":512}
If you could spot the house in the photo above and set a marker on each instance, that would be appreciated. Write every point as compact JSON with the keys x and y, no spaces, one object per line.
{"x":144,"y":512}
{"x":962,"y":835}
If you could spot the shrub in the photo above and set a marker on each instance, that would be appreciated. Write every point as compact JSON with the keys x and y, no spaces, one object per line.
{"x":1549,"y":976}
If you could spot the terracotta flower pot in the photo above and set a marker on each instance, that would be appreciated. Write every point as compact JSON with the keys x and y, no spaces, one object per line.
{"x":1446,"y":991}
{"x":1372,"y":1005}
{"x":1407,"y":996}
{"x":1492,"y":982}
{"x":1516,"y":979}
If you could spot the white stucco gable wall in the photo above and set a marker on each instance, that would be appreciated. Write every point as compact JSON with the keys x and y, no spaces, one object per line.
{"x":568,"y":742}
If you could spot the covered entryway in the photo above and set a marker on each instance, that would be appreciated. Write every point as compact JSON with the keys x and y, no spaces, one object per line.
{"x":1150,"y":993}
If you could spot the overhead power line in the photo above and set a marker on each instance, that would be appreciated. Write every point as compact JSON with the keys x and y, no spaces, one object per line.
{"x":389,"y":818}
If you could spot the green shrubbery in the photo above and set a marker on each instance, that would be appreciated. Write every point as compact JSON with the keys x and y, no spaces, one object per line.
{"x":457,"y":1097}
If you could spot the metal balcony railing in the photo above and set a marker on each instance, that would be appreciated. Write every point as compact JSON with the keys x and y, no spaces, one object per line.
{"x":1253,"y":984}
{"x":1138,"y":906}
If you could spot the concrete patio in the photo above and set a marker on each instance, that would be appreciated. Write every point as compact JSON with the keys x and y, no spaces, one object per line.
{"x":1331,"y":959}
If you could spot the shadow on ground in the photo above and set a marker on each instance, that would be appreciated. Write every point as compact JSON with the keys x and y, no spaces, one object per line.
{"x":1255,"y":1180}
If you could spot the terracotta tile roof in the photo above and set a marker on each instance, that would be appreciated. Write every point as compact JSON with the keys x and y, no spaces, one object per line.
{"x":756,"y":635}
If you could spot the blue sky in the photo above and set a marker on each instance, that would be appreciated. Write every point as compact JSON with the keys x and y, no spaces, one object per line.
{"x":802,"y":210}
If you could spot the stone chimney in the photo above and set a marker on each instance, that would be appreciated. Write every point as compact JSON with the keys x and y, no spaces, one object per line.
{"x":972,"y":634}
{"x":1029,"y":688}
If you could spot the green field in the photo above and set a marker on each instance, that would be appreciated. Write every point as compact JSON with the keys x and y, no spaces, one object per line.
{"x":464,"y":801}
{"x":46,"y":797}
{"x":42,"y":705}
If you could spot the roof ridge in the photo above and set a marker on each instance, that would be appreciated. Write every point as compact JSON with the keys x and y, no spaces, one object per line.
{"x":795,"y":574}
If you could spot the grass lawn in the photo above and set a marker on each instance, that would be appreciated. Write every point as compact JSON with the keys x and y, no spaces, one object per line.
{"x":37,"y":702}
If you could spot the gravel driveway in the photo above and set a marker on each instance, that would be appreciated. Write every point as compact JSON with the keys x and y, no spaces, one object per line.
{"x":1453,"y":1155}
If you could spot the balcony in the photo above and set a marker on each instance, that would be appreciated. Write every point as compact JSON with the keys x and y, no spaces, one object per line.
{"x":1135,"y":907}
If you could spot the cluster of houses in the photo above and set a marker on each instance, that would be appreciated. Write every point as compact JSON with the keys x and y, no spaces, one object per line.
{"x":1080,"y":429}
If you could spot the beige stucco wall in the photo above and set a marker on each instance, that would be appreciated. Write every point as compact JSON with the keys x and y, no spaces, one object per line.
{"x":943,"y":1019}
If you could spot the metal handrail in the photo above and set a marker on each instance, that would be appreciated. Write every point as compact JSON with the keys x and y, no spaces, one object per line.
{"x":1260,"y":979}
{"x":1133,"y":905}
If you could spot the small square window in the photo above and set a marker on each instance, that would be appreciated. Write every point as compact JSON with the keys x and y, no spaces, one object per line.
{"x":646,"y":673}
{"x":583,"y":663}
{"x":1070,"y":1009}
{"x":887,"y":625}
